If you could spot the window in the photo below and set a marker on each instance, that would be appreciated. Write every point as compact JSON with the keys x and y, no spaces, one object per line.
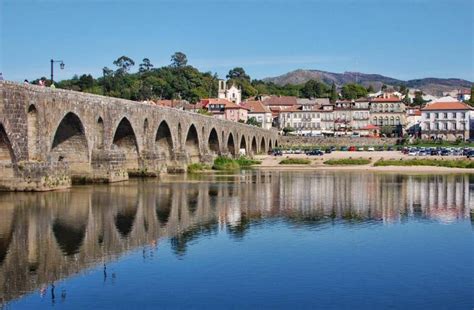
{"x":436,"y":115}
{"x":427,"y":115}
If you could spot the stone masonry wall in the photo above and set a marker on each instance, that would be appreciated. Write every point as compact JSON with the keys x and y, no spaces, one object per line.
{"x":291,"y":141}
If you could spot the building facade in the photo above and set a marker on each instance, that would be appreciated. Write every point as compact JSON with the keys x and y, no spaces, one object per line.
{"x":233,"y":93}
{"x":446,"y":121}
{"x":260,"y":112}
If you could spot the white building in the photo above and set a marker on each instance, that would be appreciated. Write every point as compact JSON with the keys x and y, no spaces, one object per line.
{"x":233,"y":94}
{"x":260,"y":112}
{"x":446,"y":121}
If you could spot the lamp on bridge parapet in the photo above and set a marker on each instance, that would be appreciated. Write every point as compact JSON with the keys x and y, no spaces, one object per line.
{"x":61,"y":65}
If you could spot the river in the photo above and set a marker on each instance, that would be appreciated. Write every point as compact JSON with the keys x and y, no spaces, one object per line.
{"x":253,"y":239}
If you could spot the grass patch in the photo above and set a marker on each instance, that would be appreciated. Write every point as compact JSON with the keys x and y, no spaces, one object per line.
{"x":295,"y":161}
{"x":247,"y":162}
{"x":225,"y":163}
{"x":450,"y":163}
{"x":197,"y":167}
{"x":347,"y":161}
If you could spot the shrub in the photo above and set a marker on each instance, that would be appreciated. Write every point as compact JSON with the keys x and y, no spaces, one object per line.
{"x":197,"y":167}
{"x":450,"y":163}
{"x":347,"y":161}
{"x":295,"y":161}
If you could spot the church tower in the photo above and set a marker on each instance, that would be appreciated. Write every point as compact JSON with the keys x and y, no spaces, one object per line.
{"x":222,"y":92}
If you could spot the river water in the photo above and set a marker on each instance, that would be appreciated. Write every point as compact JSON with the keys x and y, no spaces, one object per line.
{"x":328,"y":240}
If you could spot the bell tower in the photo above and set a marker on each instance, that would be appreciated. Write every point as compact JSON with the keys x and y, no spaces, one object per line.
{"x":222,"y":92}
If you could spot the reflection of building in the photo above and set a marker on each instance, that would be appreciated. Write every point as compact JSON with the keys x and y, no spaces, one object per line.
{"x":49,"y":236}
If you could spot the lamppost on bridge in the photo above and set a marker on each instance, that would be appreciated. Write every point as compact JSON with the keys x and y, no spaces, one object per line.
{"x":61,"y":65}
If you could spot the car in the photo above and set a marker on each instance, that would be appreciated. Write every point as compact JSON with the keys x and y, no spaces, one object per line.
{"x":379,"y":148}
{"x":390,"y":148}
{"x":405,"y":150}
{"x":413,"y":152}
{"x":344,"y":148}
{"x":371,"y":149}
{"x":435,"y":152}
{"x":470,"y":154}
{"x":457,"y":152}
{"x":315,"y":153}
{"x":422,"y":153}
{"x":445,"y":152}
{"x":328,"y":151}
{"x":297,"y":151}
{"x":360,"y":149}
{"x":352,"y":149}
{"x":277,"y":153}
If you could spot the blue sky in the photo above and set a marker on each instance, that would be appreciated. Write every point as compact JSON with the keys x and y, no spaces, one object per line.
{"x":404,"y":39}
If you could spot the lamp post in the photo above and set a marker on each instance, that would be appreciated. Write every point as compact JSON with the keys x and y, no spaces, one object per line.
{"x":61,"y":65}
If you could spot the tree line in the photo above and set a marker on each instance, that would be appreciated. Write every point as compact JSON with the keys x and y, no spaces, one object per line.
{"x":179,"y":80}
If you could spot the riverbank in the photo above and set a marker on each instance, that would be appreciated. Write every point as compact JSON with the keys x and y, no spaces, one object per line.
{"x":317,"y":163}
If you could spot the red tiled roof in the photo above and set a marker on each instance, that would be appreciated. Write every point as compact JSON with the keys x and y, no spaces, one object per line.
{"x":454,"y":105}
{"x":227,"y":104}
{"x":256,"y":106}
{"x":280,"y":100}
{"x":392,"y":99}
{"x":371,"y":127}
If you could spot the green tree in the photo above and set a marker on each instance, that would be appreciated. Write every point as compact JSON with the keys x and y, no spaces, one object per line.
{"x":179,"y":60}
{"x":238,"y":73}
{"x":124,"y":64}
{"x":145,"y":66}
{"x":287,"y":130}
{"x":253,"y":121}
{"x":370,"y":89}
{"x":353,"y":91}
{"x":314,"y":89}
{"x":334,"y":95}
{"x":418,"y":100}
{"x":384,"y":87}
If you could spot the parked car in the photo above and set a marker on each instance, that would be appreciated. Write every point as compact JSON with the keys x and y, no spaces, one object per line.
{"x":344,"y":148}
{"x":277,"y":153}
{"x":470,"y":154}
{"x":445,"y":152}
{"x":360,"y":149}
{"x":315,"y":153}
{"x":413,"y":152}
{"x":422,"y":153}
{"x":352,"y":149}
{"x":328,"y":151}
{"x":371,"y":149}
{"x":390,"y":148}
{"x":435,"y":152}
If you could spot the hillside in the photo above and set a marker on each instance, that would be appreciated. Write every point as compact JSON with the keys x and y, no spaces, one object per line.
{"x":432,"y":86}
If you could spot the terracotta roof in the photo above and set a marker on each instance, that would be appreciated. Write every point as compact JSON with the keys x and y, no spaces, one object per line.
{"x":227,"y":104}
{"x":370,"y":127}
{"x":392,"y":99}
{"x":255,"y":106}
{"x":280,"y":100}
{"x":447,"y":106}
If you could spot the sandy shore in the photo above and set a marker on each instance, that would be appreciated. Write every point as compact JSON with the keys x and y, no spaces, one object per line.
{"x":272,"y":163}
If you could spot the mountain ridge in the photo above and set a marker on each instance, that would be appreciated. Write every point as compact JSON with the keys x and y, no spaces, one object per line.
{"x":429,"y":85}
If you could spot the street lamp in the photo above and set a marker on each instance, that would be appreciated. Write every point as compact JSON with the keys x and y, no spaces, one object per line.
{"x":61,"y":65}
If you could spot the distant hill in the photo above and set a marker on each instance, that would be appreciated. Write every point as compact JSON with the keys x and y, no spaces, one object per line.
{"x":432,"y":86}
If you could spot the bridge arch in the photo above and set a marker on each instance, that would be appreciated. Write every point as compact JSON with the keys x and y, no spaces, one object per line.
{"x":231,"y":144}
{"x":263,"y":146}
{"x":243,"y":144}
{"x":270,"y":147}
{"x":32,"y":132}
{"x":100,"y":133}
{"x":70,"y":143}
{"x":126,"y":140}
{"x":192,"y":144}
{"x":213,"y":142}
{"x":69,"y":228}
{"x":164,"y":140}
{"x":254,"y":146}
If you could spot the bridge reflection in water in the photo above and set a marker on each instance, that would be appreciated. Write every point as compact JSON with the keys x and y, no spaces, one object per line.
{"x":45,"y":237}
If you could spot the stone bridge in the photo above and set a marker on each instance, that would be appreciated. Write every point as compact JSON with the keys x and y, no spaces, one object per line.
{"x":51,"y":137}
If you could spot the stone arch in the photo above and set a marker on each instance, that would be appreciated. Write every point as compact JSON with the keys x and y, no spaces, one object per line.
{"x":100,"y":133}
{"x":263,"y":146}
{"x":125,"y":219}
{"x":164,"y":140}
{"x":192,"y":144}
{"x":70,"y":143}
{"x":276,"y":143}
{"x":243,"y":145}
{"x":6,"y":150}
{"x":32,"y":128}
{"x":213,"y":142}
{"x":254,"y":149}
{"x":163,"y":206}
{"x":69,"y":228}
{"x":8,"y":216}
{"x":231,"y":144}
{"x":126,"y":141}
{"x":145,"y":133}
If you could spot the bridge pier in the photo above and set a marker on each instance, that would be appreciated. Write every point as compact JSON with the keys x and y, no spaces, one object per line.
{"x":35,"y":176}
{"x":107,"y":167}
